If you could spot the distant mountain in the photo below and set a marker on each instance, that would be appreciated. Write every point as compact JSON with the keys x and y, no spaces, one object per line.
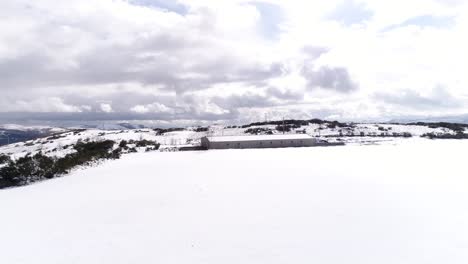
{"x":13,"y":136}
{"x":17,"y":133}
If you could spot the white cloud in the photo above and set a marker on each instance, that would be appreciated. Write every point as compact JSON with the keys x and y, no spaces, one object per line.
{"x":106,"y":108}
{"x":213,"y":59}
{"x":150,"y":108}
{"x":44,"y":104}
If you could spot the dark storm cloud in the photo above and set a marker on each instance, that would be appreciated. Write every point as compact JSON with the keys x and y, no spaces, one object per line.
{"x":330,"y":78}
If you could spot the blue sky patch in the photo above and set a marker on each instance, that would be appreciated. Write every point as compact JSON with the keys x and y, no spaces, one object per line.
{"x":168,"y":5}
{"x":425,"y":21}
{"x":271,"y":18}
{"x":350,"y":13}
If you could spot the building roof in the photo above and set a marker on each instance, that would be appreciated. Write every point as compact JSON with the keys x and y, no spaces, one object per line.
{"x":259,"y":137}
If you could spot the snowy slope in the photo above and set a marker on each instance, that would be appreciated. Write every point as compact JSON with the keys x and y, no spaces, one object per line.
{"x":61,"y":143}
{"x":386,"y":204}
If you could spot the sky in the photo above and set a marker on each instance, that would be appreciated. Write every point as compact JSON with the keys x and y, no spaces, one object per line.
{"x":233,"y":60}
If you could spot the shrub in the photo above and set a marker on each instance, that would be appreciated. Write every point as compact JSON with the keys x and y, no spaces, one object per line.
{"x":201,"y":129}
{"x":55,"y":136}
{"x":445,"y":136}
{"x":336,"y":124}
{"x":145,"y":143}
{"x":407,"y":135}
{"x":27,"y":169}
{"x":282,"y":128}
{"x":132,"y":150}
{"x":317,"y":121}
{"x":78,"y":131}
{"x":85,"y":153}
{"x":259,"y":130}
{"x":161,"y":131}
{"x":4,"y":159}
{"x":295,"y":123}
{"x":123,"y":144}
{"x":30,"y":169}
{"x":456,"y":127}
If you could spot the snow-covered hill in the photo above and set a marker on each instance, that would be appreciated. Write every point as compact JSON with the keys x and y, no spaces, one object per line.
{"x":60,"y":152}
{"x":60,"y":142}
{"x":387,"y":204}
{"x":12,"y":133}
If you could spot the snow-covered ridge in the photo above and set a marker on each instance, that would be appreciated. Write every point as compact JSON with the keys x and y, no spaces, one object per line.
{"x":29,"y":128}
{"x":60,"y":144}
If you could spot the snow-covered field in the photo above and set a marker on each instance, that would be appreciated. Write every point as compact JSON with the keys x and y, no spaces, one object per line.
{"x":391,"y":203}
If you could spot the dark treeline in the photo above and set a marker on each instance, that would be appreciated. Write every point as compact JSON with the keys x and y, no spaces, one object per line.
{"x":445,"y":136}
{"x":457,"y":127}
{"x":295,"y":123}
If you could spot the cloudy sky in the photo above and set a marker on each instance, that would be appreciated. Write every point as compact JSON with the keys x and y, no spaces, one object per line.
{"x":233,"y":60}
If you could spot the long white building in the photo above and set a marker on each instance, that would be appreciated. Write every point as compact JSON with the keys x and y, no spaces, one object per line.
{"x":259,"y":141}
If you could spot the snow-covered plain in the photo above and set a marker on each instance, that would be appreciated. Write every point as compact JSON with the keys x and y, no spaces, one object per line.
{"x":391,"y":203}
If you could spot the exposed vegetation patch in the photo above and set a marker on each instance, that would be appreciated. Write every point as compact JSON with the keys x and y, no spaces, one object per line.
{"x":259,"y":131}
{"x":162,"y":131}
{"x":201,"y":129}
{"x":4,"y":159}
{"x":290,"y":122}
{"x":33,"y":168}
{"x":38,"y":167}
{"x":373,"y":134}
{"x":57,"y":136}
{"x":456,"y":127}
{"x":445,"y":136}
